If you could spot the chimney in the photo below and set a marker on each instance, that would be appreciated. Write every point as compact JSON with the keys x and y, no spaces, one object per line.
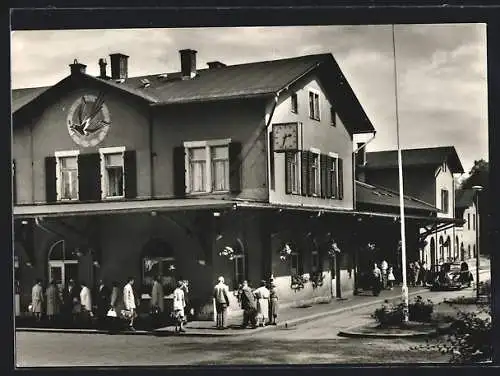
{"x":215,"y":64}
{"x":188,"y":63}
{"x":102,"y":68}
{"x":77,"y":68}
{"x":119,"y":66}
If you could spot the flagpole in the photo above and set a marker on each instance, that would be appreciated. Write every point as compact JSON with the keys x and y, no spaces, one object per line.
{"x":404,"y":288}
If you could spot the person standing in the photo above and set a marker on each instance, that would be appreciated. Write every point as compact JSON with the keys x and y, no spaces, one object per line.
{"x":248,"y":305}
{"x":179,"y":303}
{"x":157,"y":300}
{"x":376,"y":280}
{"x":103,"y":298}
{"x":262,"y":295}
{"x":221,"y":296}
{"x":86,"y":302}
{"x":383,"y":268}
{"x":37,"y":299}
{"x":390,"y":278}
{"x":416,"y":274}
{"x":273,"y":302}
{"x":53,"y":300}
{"x":129,"y":301}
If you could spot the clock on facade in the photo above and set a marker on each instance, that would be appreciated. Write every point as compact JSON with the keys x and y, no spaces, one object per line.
{"x":285,"y":137}
{"x":88,"y":120}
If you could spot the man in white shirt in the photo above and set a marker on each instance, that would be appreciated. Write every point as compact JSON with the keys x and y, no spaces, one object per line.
{"x":86,"y":300}
{"x":129,"y":301}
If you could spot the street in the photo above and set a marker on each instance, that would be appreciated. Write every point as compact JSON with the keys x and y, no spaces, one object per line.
{"x":312,"y":342}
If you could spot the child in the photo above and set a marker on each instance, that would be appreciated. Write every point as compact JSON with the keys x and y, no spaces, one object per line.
{"x":179,"y":305}
{"x":390,"y":278}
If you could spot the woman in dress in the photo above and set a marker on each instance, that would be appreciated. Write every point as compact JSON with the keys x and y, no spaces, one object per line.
{"x":179,"y":304}
{"x":53,"y":300}
{"x":273,"y":302}
{"x":262,"y":294}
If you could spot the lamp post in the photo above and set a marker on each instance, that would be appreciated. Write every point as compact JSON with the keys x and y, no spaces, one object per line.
{"x":477,"y":189}
{"x":404,"y":288}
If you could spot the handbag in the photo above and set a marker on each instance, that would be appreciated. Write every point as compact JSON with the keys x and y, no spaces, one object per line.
{"x":111,"y":313}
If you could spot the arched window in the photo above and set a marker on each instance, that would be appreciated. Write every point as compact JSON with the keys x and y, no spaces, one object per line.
{"x":63,"y":263}
{"x":158,"y":259}
{"x":441,"y":250}
{"x":239,"y":263}
{"x":433,"y":251}
{"x":468,"y":251}
{"x":474,"y":250}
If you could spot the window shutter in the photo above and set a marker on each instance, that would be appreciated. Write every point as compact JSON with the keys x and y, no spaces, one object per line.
{"x":288,"y":175}
{"x":305,"y":172}
{"x":50,"y":179}
{"x":89,"y":177}
{"x":179,"y":177}
{"x":235,"y":167}
{"x":310,"y":157}
{"x":341,"y":178}
{"x":130,"y":172}
{"x":14,"y":185}
{"x":271,"y":161}
{"x":324,"y":175}
{"x":329,"y":163}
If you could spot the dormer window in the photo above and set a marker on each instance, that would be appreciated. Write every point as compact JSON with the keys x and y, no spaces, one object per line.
{"x":444,"y":166}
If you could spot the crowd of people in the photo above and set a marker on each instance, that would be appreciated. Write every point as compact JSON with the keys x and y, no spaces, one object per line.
{"x":79,"y":303}
{"x":260,"y":305}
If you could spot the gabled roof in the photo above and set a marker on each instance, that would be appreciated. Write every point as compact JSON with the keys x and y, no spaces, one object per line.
{"x":430,"y":157}
{"x":21,"y":97}
{"x":464,"y":198}
{"x":264,"y":78}
{"x":373,"y":195}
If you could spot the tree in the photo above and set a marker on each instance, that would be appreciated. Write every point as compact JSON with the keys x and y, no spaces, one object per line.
{"x":478,"y":175}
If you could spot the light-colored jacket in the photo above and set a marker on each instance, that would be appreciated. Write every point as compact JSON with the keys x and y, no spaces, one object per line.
{"x":221,"y":293}
{"x":128,"y":297}
{"x":37,"y":298}
{"x":157,"y":296}
{"x":86,"y":298}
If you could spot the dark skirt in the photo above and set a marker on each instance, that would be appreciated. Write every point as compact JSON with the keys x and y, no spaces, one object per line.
{"x":273,"y":307}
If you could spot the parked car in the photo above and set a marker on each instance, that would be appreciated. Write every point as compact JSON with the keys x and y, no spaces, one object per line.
{"x":452,"y":276}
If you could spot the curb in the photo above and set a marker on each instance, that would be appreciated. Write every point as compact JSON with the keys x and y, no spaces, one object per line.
{"x":83,"y":331}
{"x":351,"y":332}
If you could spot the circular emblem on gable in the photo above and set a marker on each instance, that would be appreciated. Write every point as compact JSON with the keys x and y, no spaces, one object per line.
{"x":88,"y":120}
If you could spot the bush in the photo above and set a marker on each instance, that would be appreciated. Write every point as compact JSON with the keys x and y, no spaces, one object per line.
{"x":390,"y":314}
{"x":485,"y":288}
{"x":469,"y":338}
{"x":421,"y":310}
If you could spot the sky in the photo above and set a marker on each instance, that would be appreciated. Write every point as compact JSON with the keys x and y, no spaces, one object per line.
{"x":441,"y":69}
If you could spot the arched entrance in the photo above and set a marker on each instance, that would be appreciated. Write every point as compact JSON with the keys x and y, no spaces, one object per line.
{"x":441,"y":250}
{"x":462,"y":252}
{"x":456,"y":253}
{"x":63,"y":263}
{"x":448,"y":249}
{"x":433,"y":252}
{"x":158,"y":259}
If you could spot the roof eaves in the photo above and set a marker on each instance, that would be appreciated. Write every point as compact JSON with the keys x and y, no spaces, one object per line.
{"x":212,"y":99}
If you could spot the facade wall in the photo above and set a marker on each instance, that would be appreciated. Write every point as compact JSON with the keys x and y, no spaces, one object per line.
{"x":240,"y":121}
{"x":316,"y":134}
{"x":48,"y":133}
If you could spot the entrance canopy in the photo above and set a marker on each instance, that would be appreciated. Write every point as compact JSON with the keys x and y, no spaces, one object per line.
{"x":117,"y":207}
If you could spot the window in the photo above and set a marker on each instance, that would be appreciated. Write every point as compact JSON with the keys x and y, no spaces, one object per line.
{"x":444,"y":200}
{"x":207,"y":166}
{"x":112,"y":172}
{"x":67,"y":175}
{"x":468,"y":221}
{"x":294,"y":103}
{"x":220,"y":168}
{"x":315,"y":174}
{"x":333,"y":117}
{"x":474,"y":222}
{"x":239,"y":270}
{"x":314,"y":105}
{"x":332,"y":175}
{"x":444,"y":166}
{"x":474,"y":250}
{"x":63,"y":263}
{"x":468,"y":251}
{"x":292,"y":173}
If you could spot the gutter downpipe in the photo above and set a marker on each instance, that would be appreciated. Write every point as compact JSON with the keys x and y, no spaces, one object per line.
{"x":356,"y":257}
